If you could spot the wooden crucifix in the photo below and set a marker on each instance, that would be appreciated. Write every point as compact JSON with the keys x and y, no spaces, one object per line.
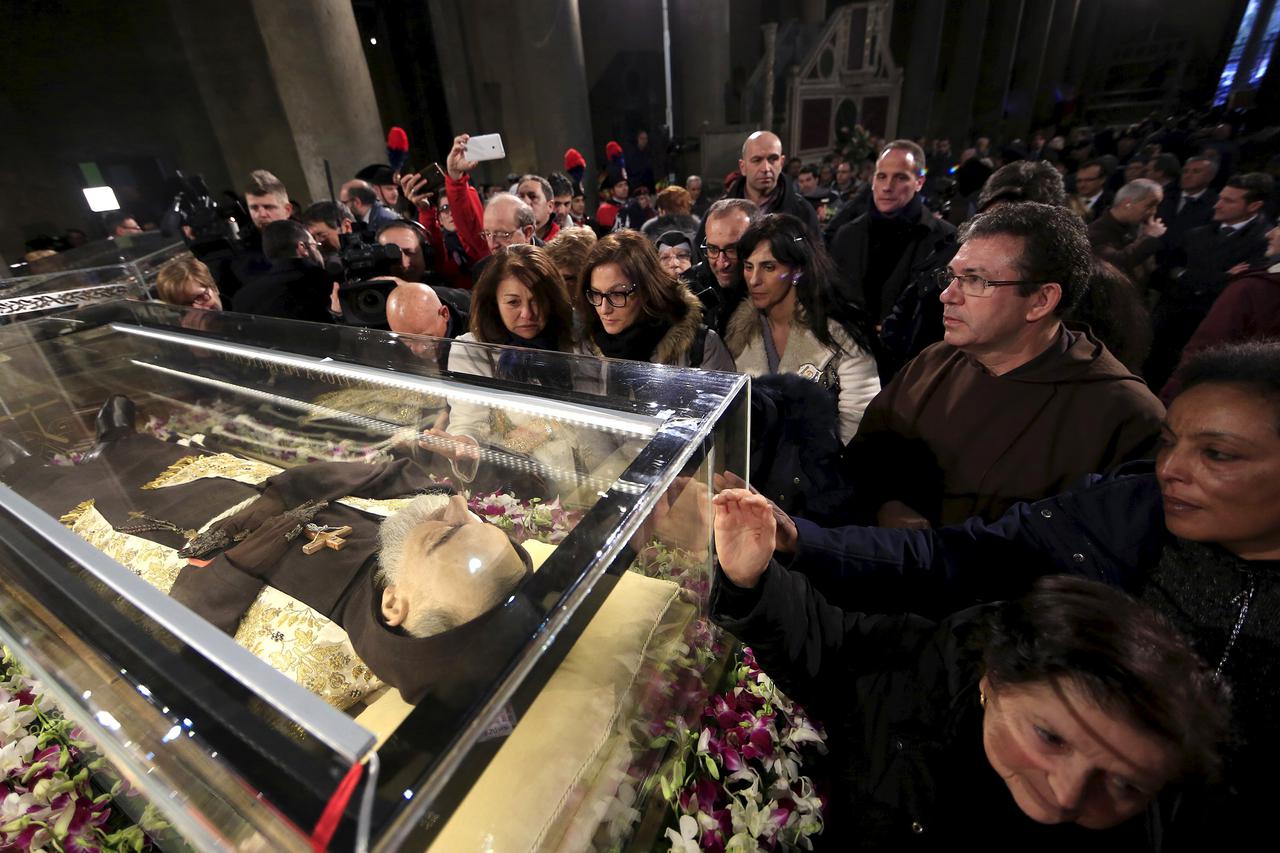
{"x":325,"y":537}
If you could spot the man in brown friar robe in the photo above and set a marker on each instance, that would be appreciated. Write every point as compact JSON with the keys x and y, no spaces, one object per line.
{"x":463,"y":567}
{"x":416,"y":612}
{"x":1011,"y":406}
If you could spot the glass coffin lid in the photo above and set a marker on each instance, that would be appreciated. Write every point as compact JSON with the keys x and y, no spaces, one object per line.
{"x":123,"y":267}
{"x":305,"y":586}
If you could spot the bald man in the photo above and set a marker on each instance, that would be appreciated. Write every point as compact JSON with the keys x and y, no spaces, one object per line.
{"x":764,"y":183}
{"x":420,"y":309}
{"x":425,"y":309}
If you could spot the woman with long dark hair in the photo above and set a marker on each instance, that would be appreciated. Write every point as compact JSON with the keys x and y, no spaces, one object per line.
{"x":520,"y":302}
{"x":792,"y":321}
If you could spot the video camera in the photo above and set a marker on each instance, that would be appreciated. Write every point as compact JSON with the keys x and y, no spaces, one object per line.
{"x":365,"y":285}
{"x":206,"y":224}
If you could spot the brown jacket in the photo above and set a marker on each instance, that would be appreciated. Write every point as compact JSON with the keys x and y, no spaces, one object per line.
{"x":952,"y":441}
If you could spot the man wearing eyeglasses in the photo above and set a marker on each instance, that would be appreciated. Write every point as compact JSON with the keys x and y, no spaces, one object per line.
{"x":1092,"y":197}
{"x":717,"y":280}
{"x":504,"y":221}
{"x":327,"y":221}
{"x":1011,"y":405}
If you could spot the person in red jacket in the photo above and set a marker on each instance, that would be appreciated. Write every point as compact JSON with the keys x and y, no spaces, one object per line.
{"x":513,"y":218}
{"x":452,"y":260}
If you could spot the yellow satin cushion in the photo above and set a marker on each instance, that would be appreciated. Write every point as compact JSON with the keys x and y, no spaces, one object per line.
{"x":557,"y":774}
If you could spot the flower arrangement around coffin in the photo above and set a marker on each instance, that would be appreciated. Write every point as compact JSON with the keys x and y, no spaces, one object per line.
{"x":48,"y":799}
{"x":736,"y":780}
{"x":544,"y":521}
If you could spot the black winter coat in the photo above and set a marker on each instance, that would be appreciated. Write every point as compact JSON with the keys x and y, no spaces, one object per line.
{"x":1111,"y":530}
{"x":718,"y":303}
{"x":795,"y":447}
{"x":910,"y":313}
{"x":899,"y":698}
{"x":292,"y":288}
{"x":786,"y":198}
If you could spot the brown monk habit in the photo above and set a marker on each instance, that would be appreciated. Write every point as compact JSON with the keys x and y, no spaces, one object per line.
{"x":338,"y":584}
{"x":114,"y":479}
{"x":953,"y":441}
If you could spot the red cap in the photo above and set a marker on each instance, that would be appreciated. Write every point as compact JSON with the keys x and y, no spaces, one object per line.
{"x":397,"y":139}
{"x":574,"y":159}
{"x":613,"y":150}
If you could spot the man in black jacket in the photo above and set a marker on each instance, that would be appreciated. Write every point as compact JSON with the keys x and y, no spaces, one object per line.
{"x":1192,"y":205}
{"x":888,"y":256}
{"x":1234,"y":241}
{"x":764,"y":183}
{"x":717,"y":280}
{"x":1092,"y":197}
{"x":296,"y":286}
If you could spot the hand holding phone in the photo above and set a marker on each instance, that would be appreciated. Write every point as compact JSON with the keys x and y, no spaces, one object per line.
{"x":420,"y":187}
{"x":457,"y":162}
{"x":485,"y":147}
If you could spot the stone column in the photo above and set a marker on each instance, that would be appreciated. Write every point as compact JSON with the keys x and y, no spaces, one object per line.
{"x":699,"y":63}
{"x":1028,"y":64}
{"x":770,"y":54}
{"x":1003,"y":25}
{"x":519,"y":72}
{"x":1090,"y":23}
{"x":1062,"y":28}
{"x":957,"y":109}
{"x":914,"y":117}
{"x":285,"y":85}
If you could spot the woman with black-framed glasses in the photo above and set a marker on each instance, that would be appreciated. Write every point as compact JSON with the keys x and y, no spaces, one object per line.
{"x":640,"y":313}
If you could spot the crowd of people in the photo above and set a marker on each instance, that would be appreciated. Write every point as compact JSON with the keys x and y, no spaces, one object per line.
{"x":981,"y":349}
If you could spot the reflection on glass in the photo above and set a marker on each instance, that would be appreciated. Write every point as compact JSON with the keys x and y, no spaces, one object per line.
{"x":441,"y":560}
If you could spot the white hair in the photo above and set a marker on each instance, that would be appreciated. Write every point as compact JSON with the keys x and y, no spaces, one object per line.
{"x":395,"y":529}
{"x":455,"y":595}
{"x":1137,"y":190}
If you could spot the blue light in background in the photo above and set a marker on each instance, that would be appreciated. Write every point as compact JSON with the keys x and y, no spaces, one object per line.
{"x":1263,"y":60}
{"x":1237,"y":51}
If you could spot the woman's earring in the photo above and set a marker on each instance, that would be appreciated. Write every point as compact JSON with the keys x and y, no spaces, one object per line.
{"x":982,"y":699}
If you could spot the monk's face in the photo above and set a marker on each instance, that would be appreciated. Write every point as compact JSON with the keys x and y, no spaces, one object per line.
{"x":454,"y":569}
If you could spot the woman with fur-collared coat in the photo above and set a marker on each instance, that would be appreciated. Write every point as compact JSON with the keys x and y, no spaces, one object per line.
{"x":791,"y":322}
{"x":641,"y":313}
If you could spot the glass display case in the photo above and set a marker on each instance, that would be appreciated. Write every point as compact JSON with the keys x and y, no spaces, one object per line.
{"x":124,"y":267}
{"x":143,"y":249}
{"x":304,"y":586}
